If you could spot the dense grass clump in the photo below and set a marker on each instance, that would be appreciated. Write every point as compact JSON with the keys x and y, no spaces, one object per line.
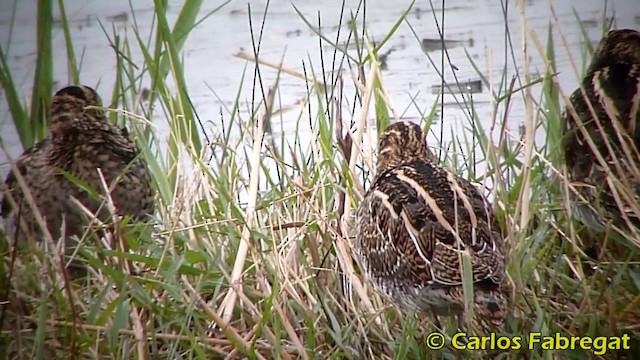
{"x":250,"y":252}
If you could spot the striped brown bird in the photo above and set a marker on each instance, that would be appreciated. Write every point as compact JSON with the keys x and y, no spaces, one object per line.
{"x":414,"y":225}
{"x":602,"y":136}
{"x":81,"y":140}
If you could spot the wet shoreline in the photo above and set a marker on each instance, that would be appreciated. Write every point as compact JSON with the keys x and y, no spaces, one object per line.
{"x":409,"y":75}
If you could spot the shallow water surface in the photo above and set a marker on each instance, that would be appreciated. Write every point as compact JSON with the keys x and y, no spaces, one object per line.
{"x":474,"y":27}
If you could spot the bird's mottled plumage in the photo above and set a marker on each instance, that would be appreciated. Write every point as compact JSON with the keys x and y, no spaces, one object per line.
{"x":601,"y":143}
{"x":80,"y":140}
{"x":415,"y":222}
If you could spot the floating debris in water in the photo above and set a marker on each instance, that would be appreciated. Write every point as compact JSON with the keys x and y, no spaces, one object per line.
{"x":591,"y":23}
{"x":90,"y":20}
{"x":352,"y":45}
{"x":79,"y":24}
{"x":469,"y":87}
{"x":419,"y":12}
{"x":122,"y":17}
{"x":433,"y":44}
{"x":383,"y":58}
{"x":293,"y":33}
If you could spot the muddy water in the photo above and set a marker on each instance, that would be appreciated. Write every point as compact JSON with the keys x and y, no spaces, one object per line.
{"x":214,"y":75}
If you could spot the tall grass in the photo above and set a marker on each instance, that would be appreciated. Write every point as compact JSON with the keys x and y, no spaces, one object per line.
{"x":251,"y":256}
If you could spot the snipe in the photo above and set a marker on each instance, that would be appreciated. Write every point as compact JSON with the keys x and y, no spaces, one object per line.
{"x":413,"y":226}
{"x":81,"y":140}
{"x":602,"y":138}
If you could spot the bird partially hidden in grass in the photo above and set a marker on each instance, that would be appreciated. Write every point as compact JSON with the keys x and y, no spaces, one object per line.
{"x":602,"y":136}
{"x":81,"y":140}
{"x":416,"y":223}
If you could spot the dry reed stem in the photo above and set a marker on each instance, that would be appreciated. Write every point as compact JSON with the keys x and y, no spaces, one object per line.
{"x":290,"y":330}
{"x":523,"y":197}
{"x":365,"y":152}
{"x":224,"y":326}
{"x":105,"y":329}
{"x":136,"y":316}
{"x":255,"y":314}
{"x":228,"y":304}
{"x":343,"y":246}
{"x":278,"y":66}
